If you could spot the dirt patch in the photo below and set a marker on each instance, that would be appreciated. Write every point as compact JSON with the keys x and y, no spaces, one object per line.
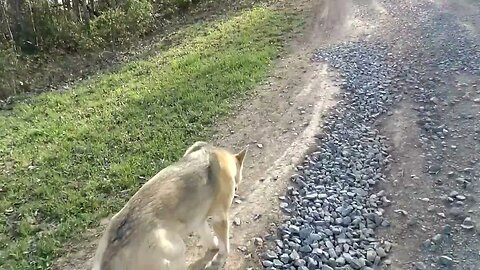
{"x":426,"y":215}
{"x":410,"y":189}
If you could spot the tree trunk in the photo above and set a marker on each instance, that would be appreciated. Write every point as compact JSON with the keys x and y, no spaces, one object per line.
{"x":32,"y":21}
{"x":17,"y":20}
{"x":86,"y":16}
{"x":92,"y":9}
{"x":66,"y":4}
{"x":76,"y":9}
{"x":6,"y":22}
{"x":91,"y":4}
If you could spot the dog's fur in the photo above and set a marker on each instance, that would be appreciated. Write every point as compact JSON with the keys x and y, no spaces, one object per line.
{"x":148,"y":232}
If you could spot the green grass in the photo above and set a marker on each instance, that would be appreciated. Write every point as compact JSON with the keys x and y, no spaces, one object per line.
{"x":67,"y":159}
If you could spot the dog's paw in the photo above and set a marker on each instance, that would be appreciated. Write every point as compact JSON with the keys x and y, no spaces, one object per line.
{"x":216,"y":263}
{"x":209,"y":266}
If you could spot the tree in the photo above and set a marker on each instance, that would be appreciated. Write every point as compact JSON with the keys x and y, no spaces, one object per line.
{"x":16,"y":19}
{"x":66,"y":5}
{"x":76,"y":9}
{"x":86,"y":15}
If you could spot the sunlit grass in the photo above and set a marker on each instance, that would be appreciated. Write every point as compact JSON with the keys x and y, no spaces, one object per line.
{"x":69,"y":158}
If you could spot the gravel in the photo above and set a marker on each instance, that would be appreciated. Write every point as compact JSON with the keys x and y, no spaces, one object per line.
{"x":332,"y":209}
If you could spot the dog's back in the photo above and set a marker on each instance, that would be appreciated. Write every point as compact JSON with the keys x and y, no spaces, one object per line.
{"x":170,"y":204}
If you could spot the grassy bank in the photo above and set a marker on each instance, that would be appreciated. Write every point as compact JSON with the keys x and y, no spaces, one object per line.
{"x":71,"y":158}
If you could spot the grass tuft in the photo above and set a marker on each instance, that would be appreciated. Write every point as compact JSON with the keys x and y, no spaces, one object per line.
{"x":69,"y":158}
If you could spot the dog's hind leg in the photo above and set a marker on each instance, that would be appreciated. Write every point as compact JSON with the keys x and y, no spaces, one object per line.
{"x":207,"y":238}
{"x":221,"y":228}
{"x":170,"y":247}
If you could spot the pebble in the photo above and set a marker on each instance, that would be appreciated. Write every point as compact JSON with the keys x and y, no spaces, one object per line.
{"x":270,"y":255}
{"x":445,"y":261}
{"x":340,"y":261}
{"x":237,"y":221}
{"x":284,"y":258}
{"x":294,"y":255}
{"x":371,"y":254}
{"x":437,"y":239}
{"x":381,"y":252}
{"x":468,"y":224}
{"x":277,"y":263}
{"x":267,"y":263}
{"x":388,"y":246}
{"x":420,"y":266}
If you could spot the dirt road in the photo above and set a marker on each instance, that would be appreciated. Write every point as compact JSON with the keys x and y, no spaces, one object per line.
{"x":432,"y":125}
{"x":431,"y":119}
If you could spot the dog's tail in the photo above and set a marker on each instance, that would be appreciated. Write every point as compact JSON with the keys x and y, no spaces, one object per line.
{"x":195,"y":147}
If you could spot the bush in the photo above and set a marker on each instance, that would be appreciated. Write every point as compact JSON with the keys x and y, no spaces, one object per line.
{"x":43,"y":26}
{"x":56,"y":29}
{"x":8,"y":62}
{"x":117,"y":26}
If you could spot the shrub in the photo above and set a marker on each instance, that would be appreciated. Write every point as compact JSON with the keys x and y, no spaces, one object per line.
{"x":119,"y":25}
{"x":8,"y":62}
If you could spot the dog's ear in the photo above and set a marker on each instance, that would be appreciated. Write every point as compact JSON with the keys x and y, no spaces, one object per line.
{"x":240,"y":156}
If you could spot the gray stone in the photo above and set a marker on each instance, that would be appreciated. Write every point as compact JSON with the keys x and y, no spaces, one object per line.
{"x":381,"y":252}
{"x":355,"y":263}
{"x":332,"y":253}
{"x":328,"y":244}
{"x":300,"y":262}
{"x":437,"y":239}
{"x":371,"y":254}
{"x":277,"y":263}
{"x":420,"y":266}
{"x":468,"y":224}
{"x":294,"y":229}
{"x":387,"y":246}
{"x":340,"y":261}
{"x":270,"y":255}
{"x":305,"y":249}
{"x":285,"y":258}
{"x":445,"y":261}
{"x":267,"y":263}
{"x":294,"y":255}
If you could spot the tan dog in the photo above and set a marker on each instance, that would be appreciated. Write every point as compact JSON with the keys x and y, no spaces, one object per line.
{"x":148,"y":232}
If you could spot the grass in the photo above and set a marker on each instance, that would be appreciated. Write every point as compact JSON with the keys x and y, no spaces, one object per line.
{"x":67,"y":159}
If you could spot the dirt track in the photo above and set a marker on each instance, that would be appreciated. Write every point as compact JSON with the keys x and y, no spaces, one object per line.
{"x":281,"y":123}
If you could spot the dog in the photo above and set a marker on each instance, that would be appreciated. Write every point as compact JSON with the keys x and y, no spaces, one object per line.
{"x":148,"y":232}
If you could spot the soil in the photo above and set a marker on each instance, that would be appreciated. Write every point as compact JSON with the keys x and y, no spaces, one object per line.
{"x":280,"y":124}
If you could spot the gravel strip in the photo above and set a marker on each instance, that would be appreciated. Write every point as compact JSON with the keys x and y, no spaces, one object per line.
{"x":333,"y":211}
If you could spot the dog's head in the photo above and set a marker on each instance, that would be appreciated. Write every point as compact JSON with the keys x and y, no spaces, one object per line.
{"x":240,"y":158}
